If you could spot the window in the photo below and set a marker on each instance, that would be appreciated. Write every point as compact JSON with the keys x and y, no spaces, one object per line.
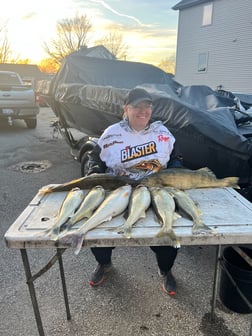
{"x":202,"y":62}
{"x":207,"y":15}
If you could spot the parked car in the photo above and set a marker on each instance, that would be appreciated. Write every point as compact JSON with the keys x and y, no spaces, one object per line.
{"x":17,"y":100}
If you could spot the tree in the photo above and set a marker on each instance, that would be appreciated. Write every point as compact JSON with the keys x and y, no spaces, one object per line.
{"x":168,"y":64}
{"x":5,"y":49}
{"x":113,"y":41}
{"x":71,"y":36}
{"x":48,"y":65}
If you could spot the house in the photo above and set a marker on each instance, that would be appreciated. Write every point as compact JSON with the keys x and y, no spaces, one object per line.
{"x":98,"y":51}
{"x":29,"y":73}
{"x":214,"y":44}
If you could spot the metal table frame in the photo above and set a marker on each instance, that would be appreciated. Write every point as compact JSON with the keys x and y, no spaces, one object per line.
{"x":58,"y":256}
{"x":16,"y":238}
{"x":30,"y":283}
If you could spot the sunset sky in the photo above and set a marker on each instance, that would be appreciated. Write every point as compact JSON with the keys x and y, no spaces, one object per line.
{"x":148,"y":27}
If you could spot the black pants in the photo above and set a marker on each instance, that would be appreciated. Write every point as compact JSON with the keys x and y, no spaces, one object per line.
{"x":165,"y":256}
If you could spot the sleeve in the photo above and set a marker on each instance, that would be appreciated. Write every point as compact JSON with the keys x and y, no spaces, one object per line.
{"x":176,"y":158}
{"x":95,"y":164}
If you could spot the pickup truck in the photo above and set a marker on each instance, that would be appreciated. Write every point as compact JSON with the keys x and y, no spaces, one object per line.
{"x":17,"y":100}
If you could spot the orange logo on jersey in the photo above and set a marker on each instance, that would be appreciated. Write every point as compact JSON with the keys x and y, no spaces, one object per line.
{"x":151,"y":165}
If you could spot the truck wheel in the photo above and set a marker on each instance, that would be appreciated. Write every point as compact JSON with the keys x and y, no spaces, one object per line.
{"x":31,"y":123}
{"x":84,"y":164}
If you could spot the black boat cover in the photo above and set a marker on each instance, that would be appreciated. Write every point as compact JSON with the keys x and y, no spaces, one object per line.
{"x":87,"y":94}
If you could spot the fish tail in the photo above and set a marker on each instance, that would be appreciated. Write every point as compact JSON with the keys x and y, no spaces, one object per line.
{"x":170,"y":234}
{"x":66,"y":238}
{"x":54,"y":233}
{"x":127,"y":231}
{"x":77,"y":243}
{"x":231,"y":182}
{"x":200,"y":228}
{"x":53,"y":237}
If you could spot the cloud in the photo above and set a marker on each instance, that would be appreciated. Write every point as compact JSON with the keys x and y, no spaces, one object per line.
{"x":105,"y":5}
{"x":29,"y":16}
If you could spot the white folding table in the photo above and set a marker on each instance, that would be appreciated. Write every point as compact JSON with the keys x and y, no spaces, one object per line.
{"x":223,"y":209}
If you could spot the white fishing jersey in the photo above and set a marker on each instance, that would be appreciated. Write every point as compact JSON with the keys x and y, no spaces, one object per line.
{"x":136,"y":153}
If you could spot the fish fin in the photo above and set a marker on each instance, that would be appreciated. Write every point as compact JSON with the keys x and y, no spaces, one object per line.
{"x":89,"y":214}
{"x":171,"y":191}
{"x":176,"y":216}
{"x":126,"y":214}
{"x":206,"y":170}
{"x":142,"y":214}
{"x":108,"y":219}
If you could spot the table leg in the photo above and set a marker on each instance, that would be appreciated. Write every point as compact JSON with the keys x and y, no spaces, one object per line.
{"x":62,"y":274}
{"x":216,"y":280}
{"x":32,"y":291}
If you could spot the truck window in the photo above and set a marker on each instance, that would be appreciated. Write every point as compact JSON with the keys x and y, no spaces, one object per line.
{"x":8,"y":78}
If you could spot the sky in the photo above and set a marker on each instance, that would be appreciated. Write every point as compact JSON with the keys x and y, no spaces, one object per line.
{"x":148,"y":27}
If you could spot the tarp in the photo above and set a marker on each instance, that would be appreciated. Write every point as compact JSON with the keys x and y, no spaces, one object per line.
{"x":87,"y":93}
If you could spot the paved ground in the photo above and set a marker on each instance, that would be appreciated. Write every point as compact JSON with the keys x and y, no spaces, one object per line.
{"x":131,"y":303}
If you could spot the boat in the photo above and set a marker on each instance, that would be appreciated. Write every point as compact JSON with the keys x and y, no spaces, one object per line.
{"x":211,"y":129}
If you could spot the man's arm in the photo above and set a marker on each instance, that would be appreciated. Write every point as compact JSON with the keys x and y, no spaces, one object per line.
{"x":176,"y":158}
{"x":95,"y":164}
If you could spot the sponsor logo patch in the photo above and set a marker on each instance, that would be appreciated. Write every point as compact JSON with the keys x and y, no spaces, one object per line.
{"x":131,"y":153}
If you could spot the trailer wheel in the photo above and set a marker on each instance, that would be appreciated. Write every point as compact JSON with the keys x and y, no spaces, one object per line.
{"x":84,"y":163}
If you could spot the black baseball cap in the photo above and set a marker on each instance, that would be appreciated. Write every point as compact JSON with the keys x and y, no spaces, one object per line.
{"x":136,"y":96}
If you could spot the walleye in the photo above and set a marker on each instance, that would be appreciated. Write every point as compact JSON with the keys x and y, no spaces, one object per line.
{"x":139,"y":202}
{"x":108,"y":181}
{"x":70,"y":203}
{"x":113,"y":205}
{"x":188,"y":179}
{"x":187,"y":205}
{"x":164,"y":206}
{"x":91,"y":202}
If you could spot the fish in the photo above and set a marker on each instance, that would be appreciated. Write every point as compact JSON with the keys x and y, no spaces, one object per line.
{"x":184,"y":179}
{"x":164,"y":206}
{"x":69,"y":205}
{"x":108,"y":181}
{"x":139,"y":202}
{"x":113,"y":205}
{"x":187,"y":206}
{"x":91,"y":201}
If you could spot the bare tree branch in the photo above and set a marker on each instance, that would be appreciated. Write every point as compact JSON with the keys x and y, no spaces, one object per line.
{"x":5,"y":49}
{"x":113,"y":41}
{"x":72,"y":34}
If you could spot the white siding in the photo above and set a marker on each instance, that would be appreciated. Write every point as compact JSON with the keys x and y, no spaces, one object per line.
{"x":228,"y":42}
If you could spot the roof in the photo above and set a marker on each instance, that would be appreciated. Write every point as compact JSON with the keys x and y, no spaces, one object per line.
{"x":188,"y":3}
{"x":98,"y":51}
{"x":24,"y":70}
